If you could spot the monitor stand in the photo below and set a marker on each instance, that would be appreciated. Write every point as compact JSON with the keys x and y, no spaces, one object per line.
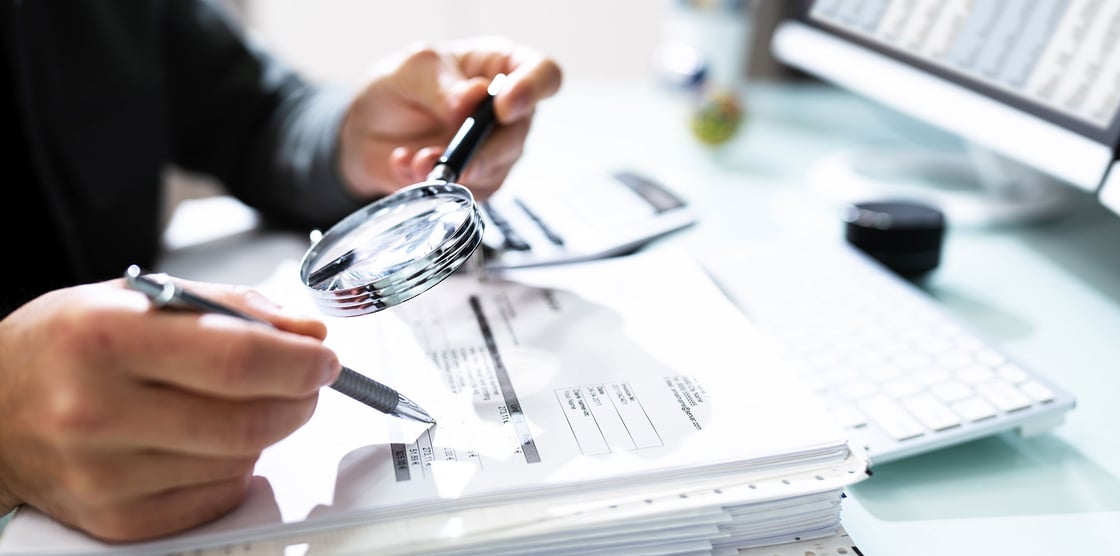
{"x":973,"y":187}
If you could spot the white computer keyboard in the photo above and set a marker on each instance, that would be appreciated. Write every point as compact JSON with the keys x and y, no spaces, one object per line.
{"x":895,"y":368}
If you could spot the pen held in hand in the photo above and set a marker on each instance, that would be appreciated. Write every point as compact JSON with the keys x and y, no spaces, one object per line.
{"x":166,"y":294}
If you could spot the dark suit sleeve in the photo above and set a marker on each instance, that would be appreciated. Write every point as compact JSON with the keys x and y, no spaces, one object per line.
{"x":242,"y":116}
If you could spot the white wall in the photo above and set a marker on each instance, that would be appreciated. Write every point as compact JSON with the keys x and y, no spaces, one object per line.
{"x":337,"y":39}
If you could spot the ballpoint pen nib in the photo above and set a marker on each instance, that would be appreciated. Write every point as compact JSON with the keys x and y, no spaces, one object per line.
{"x":408,"y":409}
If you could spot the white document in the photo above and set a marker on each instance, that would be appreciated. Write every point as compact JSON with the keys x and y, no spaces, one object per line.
{"x":743,"y":514}
{"x":622,"y":373}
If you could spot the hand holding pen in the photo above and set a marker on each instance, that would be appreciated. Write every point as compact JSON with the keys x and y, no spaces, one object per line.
{"x":129,"y":423}
{"x":166,"y":294}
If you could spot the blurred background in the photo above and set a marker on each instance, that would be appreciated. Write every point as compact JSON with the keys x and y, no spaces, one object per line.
{"x":336,"y":40}
{"x":616,"y":39}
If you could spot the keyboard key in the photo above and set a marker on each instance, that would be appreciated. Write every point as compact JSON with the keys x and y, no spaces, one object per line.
{"x":840,"y":375}
{"x":931,"y":412}
{"x":912,"y":360}
{"x":901,"y":387}
{"x":952,"y":391}
{"x":1004,"y":396}
{"x":881,"y":372}
{"x":990,"y":357}
{"x":974,"y":409}
{"x":1037,"y":391}
{"x":848,"y":416}
{"x":953,"y":359}
{"x":930,"y":375}
{"x":943,"y":348}
{"x":894,"y":420}
{"x":968,"y":343}
{"x":857,"y":389}
{"x":1011,"y":373}
{"x":975,"y":374}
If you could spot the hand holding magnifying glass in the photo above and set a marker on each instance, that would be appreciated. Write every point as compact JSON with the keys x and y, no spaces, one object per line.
{"x":399,"y":246}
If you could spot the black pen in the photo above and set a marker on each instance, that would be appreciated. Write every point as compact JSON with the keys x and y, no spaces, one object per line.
{"x":165,"y":293}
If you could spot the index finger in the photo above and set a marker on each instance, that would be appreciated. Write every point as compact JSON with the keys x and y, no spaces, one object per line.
{"x":532,"y":76}
{"x":224,"y":356}
{"x":256,"y":305}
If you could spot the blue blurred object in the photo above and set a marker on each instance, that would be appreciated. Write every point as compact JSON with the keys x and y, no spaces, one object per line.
{"x":681,"y":66}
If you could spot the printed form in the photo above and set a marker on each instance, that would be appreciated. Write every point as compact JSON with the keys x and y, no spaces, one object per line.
{"x":551,"y":380}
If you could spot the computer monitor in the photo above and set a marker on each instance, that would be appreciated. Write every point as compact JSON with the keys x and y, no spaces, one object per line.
{"x":1033,"y":87}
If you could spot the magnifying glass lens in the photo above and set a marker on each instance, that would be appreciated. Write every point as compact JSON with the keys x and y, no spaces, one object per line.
{"x":387,"y":244}
{"x":393,"y":249}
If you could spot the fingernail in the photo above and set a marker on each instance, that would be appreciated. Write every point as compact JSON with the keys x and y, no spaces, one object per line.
{"x":330,"y":369}
{"x":519,"y":107}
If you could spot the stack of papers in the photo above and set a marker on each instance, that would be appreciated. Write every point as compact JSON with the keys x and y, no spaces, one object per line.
{"x":616,"y":407}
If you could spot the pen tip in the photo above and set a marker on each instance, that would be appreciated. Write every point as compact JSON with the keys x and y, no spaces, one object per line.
{"x":408,"y":409}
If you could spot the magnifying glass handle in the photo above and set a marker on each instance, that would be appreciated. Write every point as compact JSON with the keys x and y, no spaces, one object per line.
{"x":471,"y":134}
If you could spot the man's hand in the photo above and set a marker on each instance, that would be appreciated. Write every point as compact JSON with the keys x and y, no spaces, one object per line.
{"x":413,"y":103}
{"x":131,"y":423}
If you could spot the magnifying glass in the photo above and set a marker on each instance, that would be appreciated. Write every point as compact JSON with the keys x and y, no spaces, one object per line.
{"x":397,"y":247}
